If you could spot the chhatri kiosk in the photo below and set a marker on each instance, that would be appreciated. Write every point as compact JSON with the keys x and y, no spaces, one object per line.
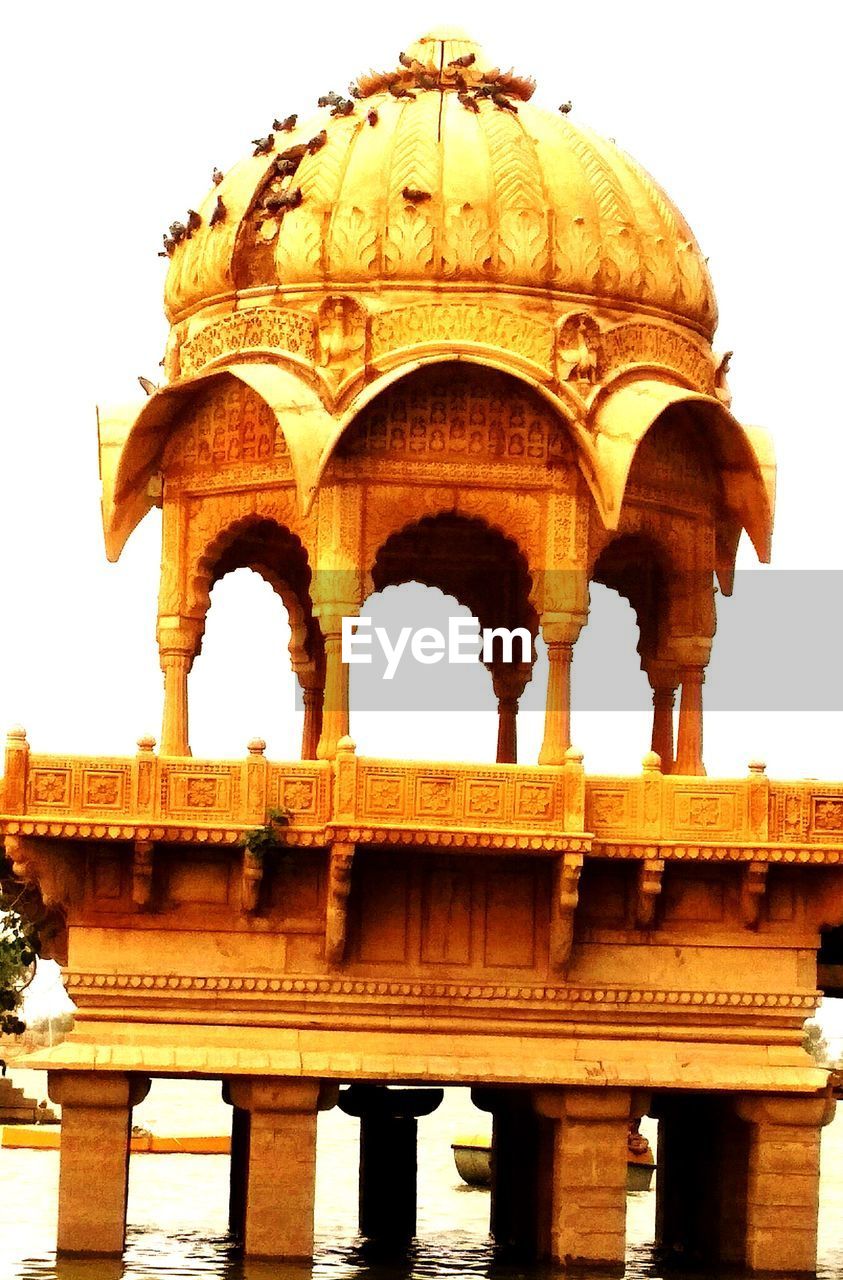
{"x":436,"y":334}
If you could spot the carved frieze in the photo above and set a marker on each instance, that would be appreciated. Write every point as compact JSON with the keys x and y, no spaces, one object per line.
{"x":261,"y":328}
{"x":229,"y":428}
{"x":445,"y":322}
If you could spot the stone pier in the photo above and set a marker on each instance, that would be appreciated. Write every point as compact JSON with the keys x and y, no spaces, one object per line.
{"x":94,"y":1171}
{"x":388,"y":1165}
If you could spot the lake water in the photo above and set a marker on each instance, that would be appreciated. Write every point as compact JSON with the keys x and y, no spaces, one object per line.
{"x":178,"y":1205}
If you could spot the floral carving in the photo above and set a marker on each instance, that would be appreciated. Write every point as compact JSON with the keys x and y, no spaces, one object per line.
{"x":385,"y":794}
{"x":828,"y":815}
{"x":435,"y":795}
{"x":704,"y":811}
{"x":50,"y":787}
{"x":485,"y":799}
{"x":282,"y":330}
{"x":298,"y":796}
{"x":608,"y":808}
{"x":201,"y":793}
{"x":535,"y":802}
{"x":102,"y":790}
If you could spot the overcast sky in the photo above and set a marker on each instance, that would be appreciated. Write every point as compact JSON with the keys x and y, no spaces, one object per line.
{"x":112,"y":119}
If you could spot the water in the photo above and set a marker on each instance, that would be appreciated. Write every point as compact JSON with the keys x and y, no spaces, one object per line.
{"x":178,"y":1205}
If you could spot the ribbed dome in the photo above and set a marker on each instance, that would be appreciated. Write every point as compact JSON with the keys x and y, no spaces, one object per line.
{"x":442,"y":173}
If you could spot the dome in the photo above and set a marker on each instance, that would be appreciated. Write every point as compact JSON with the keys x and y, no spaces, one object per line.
{"x":440,"y":173}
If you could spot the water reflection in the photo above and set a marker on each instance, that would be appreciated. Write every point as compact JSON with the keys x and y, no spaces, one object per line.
{"x":178,"y":1209}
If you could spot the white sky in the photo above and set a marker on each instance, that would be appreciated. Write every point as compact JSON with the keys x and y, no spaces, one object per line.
{"x":112,"y":119}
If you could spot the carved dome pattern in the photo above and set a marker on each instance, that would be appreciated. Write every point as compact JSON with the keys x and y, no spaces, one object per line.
{"x":446,"y":186}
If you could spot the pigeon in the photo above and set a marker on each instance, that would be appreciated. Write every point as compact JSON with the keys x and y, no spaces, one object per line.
{"x":503,"y":104}
{"x":285,"y":126}
{"x":169,"y":246}
{"x":398,"y":92}
{"x":194,"y":222}
{"x":470,"y":104}
{"x":217,"y":177}
{"x":343,"y":108}
{"x":566,"y":107}
{"x":178,"y":231}
{"x":149,"y":387}
{"x":467,"y":60}
{"x":317,"y":143}
{"x":331,"y":99}
{"x":415,"y":196}
{"x":263,"y":145}
{"x":285,"y":166}
{"x":354,"y":92}
{"x":373,"y":117}
{"x":275,"y":204}
{"x":218,"y":214}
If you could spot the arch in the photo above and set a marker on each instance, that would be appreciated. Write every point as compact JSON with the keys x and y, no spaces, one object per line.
{"x":565,"y":406}
{"x":638,"y":569}
{"x":277,"y":555}
{"x":744,"y":456}
{"x":428,"y":551}
{"x":132,"y":440}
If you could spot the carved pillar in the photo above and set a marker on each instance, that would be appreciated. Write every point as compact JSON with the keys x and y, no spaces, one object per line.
{"x":515,"y":1162}
{"x":689,"y":745}
{"x":388,"y":1137}
{"x":335,"y":720}
{"x":782,"y":1186}
{"x":94,"y":1163}
{"x":313,"y":697}
{"x":17,"y":768}
{"x":582,"y":1202}
{"x":664,"y":681}
{"x":560,"y":632}
{"x":508,"y":683}
{"x":278,"y":1218}
{"x":178,"y":644}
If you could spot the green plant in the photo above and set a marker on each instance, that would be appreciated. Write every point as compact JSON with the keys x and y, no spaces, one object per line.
{"x":266,"y":839}
{"x":18,"y":953}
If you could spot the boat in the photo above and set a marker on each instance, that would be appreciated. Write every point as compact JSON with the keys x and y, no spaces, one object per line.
{"x":473,"y":1158}
{"x":36,"y":1137}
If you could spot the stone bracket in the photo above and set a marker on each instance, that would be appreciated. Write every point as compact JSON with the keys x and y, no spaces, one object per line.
{"x":251,"y":881}
{"x":753,"y":890}
{"x":142,"y":867}
{"x":340,"y":863}
{"x":565,"y":899}
{"x":647,"y":890}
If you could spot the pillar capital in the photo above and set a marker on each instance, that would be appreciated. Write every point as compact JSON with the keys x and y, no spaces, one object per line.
{"x":104,"y":1090}
{"x":790,"y":1110}
{"x":599,"y":1104}
{"x":282,"y":1095}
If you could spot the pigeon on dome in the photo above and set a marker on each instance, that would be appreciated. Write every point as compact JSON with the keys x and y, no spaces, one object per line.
{"x":446,"y":58}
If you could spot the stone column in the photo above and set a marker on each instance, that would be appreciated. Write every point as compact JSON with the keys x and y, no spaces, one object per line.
{"x":281,"y":1178}
{"x":582,"y":1191}
{"x":178,"y":643}
{"x":515,"y":1160}
{"x":664,"y":681}
{"x":335,"y":719}
{"x":94,"y":1163}
{"x":312,"y":697}
{"x":239,"y":1169}
{"x":782,"y":1190}
{"x":689,"y":744}
{"x":388,"y":1141}
{"x":508,"y":683}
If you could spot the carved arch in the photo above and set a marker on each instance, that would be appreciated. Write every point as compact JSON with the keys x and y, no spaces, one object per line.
{"x":565,"y":406}
{"x":622,"y":417}
{"x":278,"y":555}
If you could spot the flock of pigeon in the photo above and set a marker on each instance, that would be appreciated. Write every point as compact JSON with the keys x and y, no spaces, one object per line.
{"x":491,"y":87}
